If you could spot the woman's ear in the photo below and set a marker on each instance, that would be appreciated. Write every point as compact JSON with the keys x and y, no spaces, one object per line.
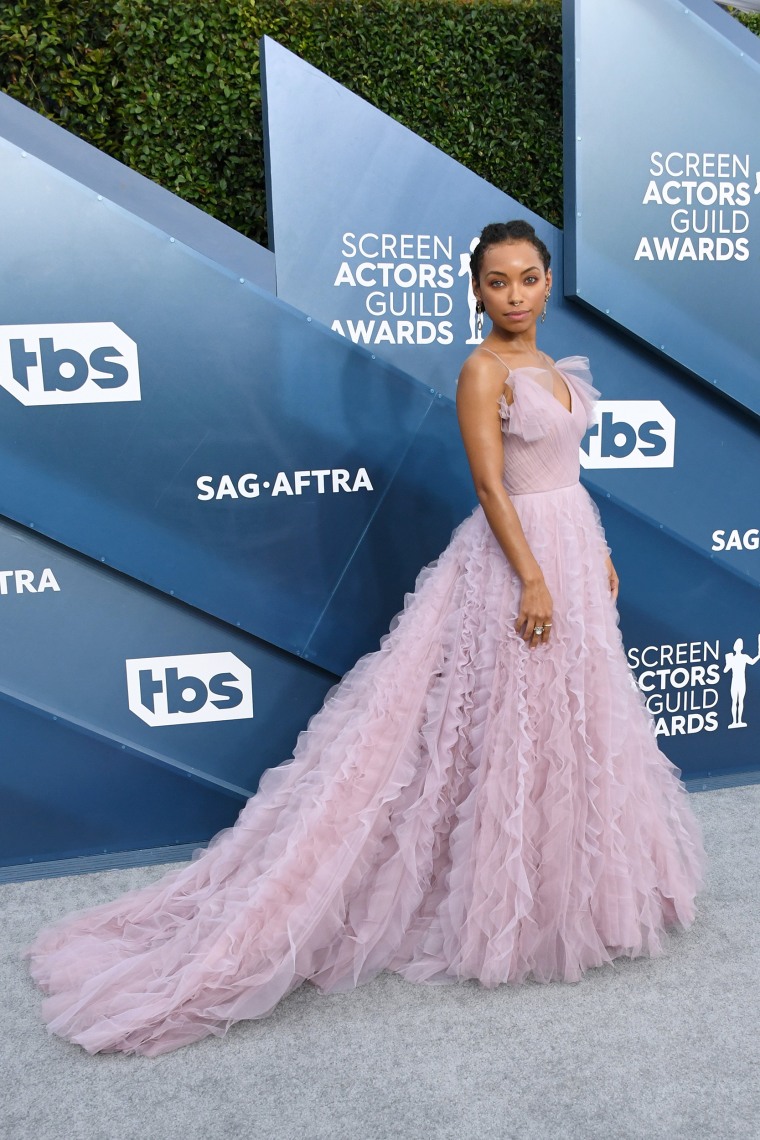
{"x":548,"y":281}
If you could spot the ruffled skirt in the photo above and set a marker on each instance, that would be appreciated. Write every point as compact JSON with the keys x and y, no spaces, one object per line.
{"x":462,"y":807}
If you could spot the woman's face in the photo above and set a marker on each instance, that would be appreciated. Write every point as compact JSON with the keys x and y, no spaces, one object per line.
{"x":513,"y":285}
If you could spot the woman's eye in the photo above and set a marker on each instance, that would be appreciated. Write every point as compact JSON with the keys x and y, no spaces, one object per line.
{"x":531,"y":280}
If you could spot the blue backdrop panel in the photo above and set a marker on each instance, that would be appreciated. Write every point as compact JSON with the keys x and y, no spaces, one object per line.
{"x":69,"y":629}
{"x":432,"y":491}
{"x":170,"y":422}
{"x":665,"y":229}
{"x":651,"y":414}
{"x":65,"y":794}
{"x":236,"y":390}
{"x":317,"y":131}
{"x":89,"y":166}
{"x":65,"y":653}
{"x":392,"y":245}
{"x":679,"y":653}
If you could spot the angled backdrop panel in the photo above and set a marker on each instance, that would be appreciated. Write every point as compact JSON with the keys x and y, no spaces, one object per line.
{"x":215,"y":471}
{"x":664,"y":230}
{"x":91,"y":167}
{"x":208,"y":436}
{"x":70,"y":626}
{"x":90,"y":767}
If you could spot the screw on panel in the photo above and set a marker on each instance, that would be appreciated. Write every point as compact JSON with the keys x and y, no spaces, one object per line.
{"x":242,"y":280}
{"x":171,"y":240}
{"x":373,"y":356}
{"x":100,"y":197}
{"x":308,"y":320}
{"x":23,"y":154}
{"x":578,"y":138}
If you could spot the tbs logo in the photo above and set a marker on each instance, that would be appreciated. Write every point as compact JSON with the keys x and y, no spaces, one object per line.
{"x":68,"y":364}
{"x":630,"y":433}
{"x":189,"y":689}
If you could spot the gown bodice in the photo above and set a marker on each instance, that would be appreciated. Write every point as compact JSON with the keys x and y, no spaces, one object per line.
{"x":541,"y":437}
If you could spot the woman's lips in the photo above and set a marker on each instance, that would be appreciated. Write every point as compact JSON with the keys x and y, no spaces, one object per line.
{"x":517,"y":316}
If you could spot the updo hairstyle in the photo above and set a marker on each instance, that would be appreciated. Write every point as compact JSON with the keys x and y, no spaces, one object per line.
{"x":514,"y":231}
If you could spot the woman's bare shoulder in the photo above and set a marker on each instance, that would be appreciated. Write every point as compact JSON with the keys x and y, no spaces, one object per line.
{"x":484,"y":365}
{"x":484,"y":375}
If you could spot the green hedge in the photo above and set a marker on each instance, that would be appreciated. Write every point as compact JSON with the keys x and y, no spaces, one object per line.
{"x":171,"y":87}
{"x":751,"y":20}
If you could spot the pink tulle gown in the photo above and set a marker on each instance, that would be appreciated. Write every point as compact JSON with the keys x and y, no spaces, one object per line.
{"x":460,"y":807}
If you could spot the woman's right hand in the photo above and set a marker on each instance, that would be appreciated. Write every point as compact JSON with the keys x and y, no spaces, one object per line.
{"x":535,"y":610}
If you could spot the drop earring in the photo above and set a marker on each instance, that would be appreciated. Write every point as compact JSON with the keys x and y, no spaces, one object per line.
{"x":543,"y":314}
{"x":479,"y":310}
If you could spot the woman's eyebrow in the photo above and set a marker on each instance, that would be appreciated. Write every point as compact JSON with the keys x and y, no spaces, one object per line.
{"x":501,"y":273}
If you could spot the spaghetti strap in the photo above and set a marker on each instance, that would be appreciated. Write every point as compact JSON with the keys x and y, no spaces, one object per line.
{"x":496,"y":355}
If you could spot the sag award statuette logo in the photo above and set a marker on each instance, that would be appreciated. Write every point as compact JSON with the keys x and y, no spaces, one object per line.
{"x":683,"y":688}
{"x":476,"y":334}
{"x":736,"y":665}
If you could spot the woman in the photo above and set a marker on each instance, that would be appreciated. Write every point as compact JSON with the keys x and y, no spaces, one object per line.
{"x":481,"y":798}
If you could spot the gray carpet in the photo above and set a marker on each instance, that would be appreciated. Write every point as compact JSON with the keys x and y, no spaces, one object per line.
{"x":663,"y":1048}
